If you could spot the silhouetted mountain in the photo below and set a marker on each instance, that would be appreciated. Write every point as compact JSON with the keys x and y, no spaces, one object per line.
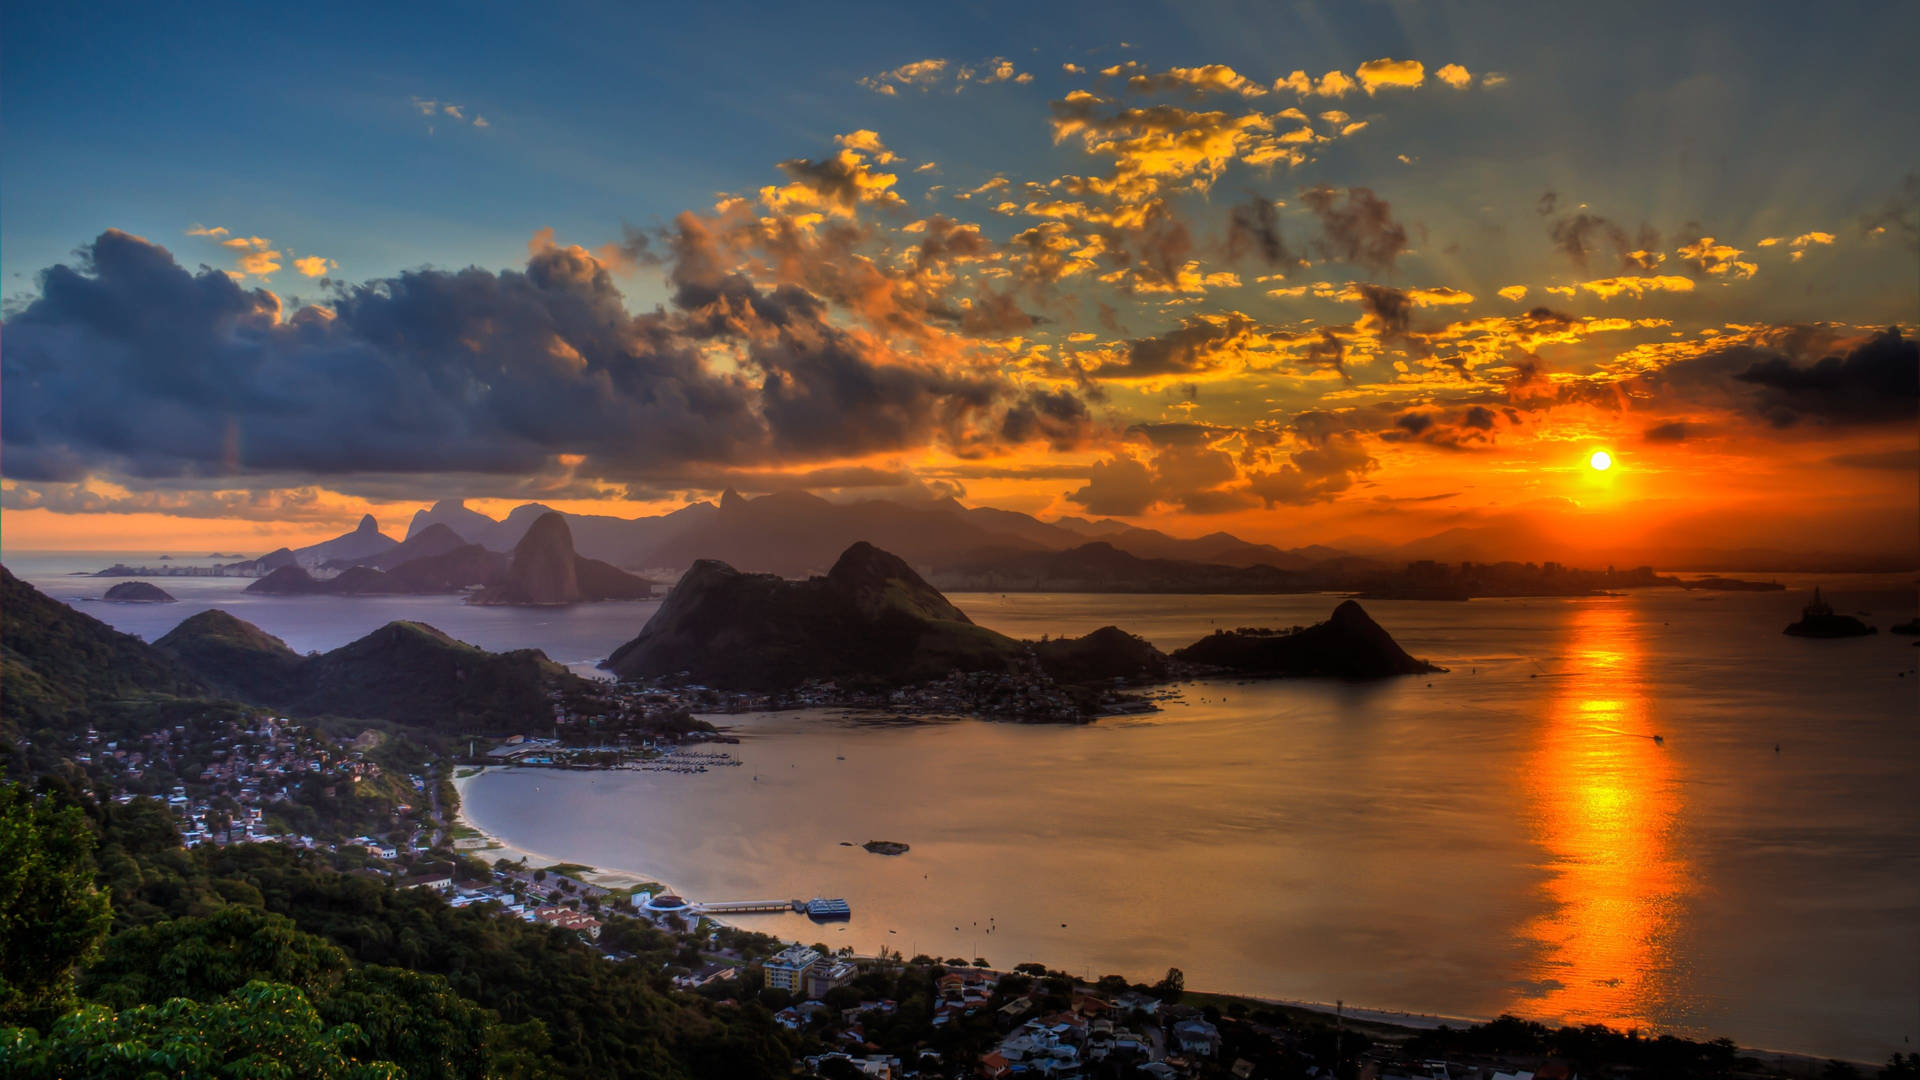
{"x":1102,"y":567}
{"x":793,"y":533}
{"x":470,"y":525}
{"x":464,"y":567}
{"x":361,"y":543}
{"x":58,"y":665}
{"x":287,"y":581}
{"x":1349,"y":645}
{"x":545,"y":570}
{"x":138,"y":592}
{"x":1107,"y":653}
{"x":871,"y":618}
{"x":621,"y":541}
{"x":271,"y":561}
{"x":435,"y":539}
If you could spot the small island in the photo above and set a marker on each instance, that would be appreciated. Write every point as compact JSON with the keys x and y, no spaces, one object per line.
{"x":886,"y":847}
{"x":1818,"y":620}
{"x":138,"y":592}
{"x":1716,"y":583}
{"x":1349,"y":645}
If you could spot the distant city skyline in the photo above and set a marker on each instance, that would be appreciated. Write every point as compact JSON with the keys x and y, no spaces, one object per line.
{"x":1305,"y":276}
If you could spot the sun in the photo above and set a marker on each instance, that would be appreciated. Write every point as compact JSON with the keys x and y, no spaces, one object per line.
{"x":1601,"y":460}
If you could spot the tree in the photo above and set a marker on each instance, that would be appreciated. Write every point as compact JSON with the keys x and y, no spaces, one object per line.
{"x":52,"y":917}
{"x":1173,"y":986}
{"x":205,"y":958}
{"x":261,"y":1030}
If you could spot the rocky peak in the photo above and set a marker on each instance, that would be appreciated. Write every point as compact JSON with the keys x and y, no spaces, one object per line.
{"x":543,"y":570}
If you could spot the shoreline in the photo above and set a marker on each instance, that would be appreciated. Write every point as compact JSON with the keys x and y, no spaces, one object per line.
{"x":1357,"y":1014}
{"x":499,"y":848}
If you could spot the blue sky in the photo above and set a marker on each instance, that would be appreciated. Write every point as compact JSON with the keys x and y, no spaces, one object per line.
{"x":296,"y":123}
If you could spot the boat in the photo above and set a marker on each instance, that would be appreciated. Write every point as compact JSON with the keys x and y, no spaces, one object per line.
{"x":822,"y":910}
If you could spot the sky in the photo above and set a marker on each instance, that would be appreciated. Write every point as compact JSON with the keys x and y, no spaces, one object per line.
{"x":1357,"y":273}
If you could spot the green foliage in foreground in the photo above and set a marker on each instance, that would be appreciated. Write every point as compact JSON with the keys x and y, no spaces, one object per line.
{"x":259,"y":1032}
{"x":264,"y":961}
{"x":51,"y":916}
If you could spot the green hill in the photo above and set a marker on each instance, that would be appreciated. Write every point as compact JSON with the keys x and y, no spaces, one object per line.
{"x":62,"y":667}
{"x":411,"y":673}
{"x":234,"y":657}
{"x":57,"y":664}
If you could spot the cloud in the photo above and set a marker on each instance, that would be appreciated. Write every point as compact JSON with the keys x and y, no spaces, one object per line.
{"x":1672,"y":431}
{"x":1357,"y":228}
{"x":136,"y":367}
{"x":1455,"y":76}
{"x":201,"y":230}
{"x":1120,"y":486}
{"x":433,"y":110}
{"x":301,"y":505}
{"x":1515,"y":293}
{"x":1708,"y":256}
{"x":1205,"y":79}
{"x":1470,"y":428}
{"x":314,"y":266}
{"x":1628,"y":285}
{"x":1187,"y":470}
{"x":837,"y":184}
{"x":924,"y":75}
{"x":1253,"y":227}
{"x":1201,"y":345}
{"x":1878,"y":381}
{"x":1375,"y":75}
{"x":1327,"y":465}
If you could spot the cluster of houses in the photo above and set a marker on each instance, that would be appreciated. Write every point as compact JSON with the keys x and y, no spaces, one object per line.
{"x":253,"y":766}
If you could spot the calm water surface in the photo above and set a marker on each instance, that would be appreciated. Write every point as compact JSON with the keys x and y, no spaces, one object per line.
{"x":1504,"y":837}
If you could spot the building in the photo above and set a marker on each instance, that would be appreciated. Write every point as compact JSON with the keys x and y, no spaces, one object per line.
{"x":668,"y":909}
{"x":826,"y":975}
{"x":706,"y":976}
{"x":789,"y":967}
{"x":569,"y":919}
{"x":1197,"y":1037}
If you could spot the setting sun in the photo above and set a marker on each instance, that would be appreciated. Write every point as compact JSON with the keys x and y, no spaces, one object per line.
{"x":1601,"y":460}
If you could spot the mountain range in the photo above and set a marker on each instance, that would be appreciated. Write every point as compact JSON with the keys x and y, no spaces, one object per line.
{"x":543,"y":569}
{"x":795,"y":533}
{"x":872,"y":620}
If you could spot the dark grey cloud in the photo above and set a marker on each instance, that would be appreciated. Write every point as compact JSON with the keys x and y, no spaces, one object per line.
{"x":1197,"y":345}
{"x":1356,"y":228}
{"x":1671,"y":432}
{"x":128,"y":364}
{"x":1253,"y":228}
{"x":1582,"y":236}
{"x":1878,"y":381}
{"x":1058,"y":417}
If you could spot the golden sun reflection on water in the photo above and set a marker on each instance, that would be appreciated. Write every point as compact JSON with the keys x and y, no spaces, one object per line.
{"x":1605,"y":799}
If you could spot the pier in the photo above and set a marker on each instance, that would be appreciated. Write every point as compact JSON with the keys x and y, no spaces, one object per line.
{"x":817,"y":908}
{"x":748,"y":907}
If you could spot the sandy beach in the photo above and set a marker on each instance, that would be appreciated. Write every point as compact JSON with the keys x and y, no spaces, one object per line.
{"x":498,"y":848}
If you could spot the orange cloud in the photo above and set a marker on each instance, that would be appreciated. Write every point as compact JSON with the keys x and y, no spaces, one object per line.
{"x":1376,"y":75}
